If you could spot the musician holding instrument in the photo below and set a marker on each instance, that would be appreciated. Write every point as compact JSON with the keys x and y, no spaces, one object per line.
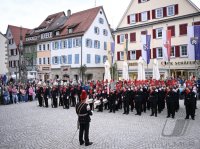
{"x":83,"y":111}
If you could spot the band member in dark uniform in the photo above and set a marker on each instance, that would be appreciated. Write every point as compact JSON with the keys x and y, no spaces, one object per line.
{"x":73,"y":99}
{"x":54,"y":94}
{"x":138,"y":101}
{"x":126,"y":100}
{"x":46,"y":94}
{"x":100,"y":97}
{"x":61,"y":95}
{"x":153,"y":97}
{"x":112,"y":101}
{"x":161,"y":99}
{"x":190,"y":106}
{"x":170,"y":100}
{"x":40,"y":94}
{"x":83,"y":111}
{"x":144,"y":101}
{"x":66,"y":95}
{"x":132,"y":99}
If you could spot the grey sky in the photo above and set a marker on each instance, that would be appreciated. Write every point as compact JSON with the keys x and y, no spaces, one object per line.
{"x":30,"y":13}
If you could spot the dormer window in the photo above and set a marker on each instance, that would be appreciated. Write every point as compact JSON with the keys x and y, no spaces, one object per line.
{"x":57,"y":33}
{"x":70,"y":30}
{"x":142,"y":1}
{"x":49,"y":20}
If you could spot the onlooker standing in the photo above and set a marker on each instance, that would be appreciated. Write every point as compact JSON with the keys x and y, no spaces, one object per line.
{"x":30,"y":93}
{"x":6,"y":96}
{"x":23,"y":94}
{"x":14,"y":95}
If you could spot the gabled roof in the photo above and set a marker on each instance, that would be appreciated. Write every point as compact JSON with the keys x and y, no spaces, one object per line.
{"x":15,"y":30}
{"x":124,"y":15}
{"x":51,"y":18}
{"x":81,"y":21}
{"x":52,"y":22}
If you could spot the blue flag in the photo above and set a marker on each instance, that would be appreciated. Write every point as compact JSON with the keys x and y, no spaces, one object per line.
{"x":145,"y":43}
{"x":197,"y":45}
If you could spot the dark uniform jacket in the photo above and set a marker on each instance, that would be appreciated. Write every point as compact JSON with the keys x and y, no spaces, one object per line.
{"x":83,"y":111}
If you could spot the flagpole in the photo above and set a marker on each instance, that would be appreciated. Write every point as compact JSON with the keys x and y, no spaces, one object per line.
{"x":195,"y":51}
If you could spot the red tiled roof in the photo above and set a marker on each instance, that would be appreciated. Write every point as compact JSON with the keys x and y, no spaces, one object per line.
{"x":15,"y":30}
{"x":81,"y":20}
{"x":54,"y":16}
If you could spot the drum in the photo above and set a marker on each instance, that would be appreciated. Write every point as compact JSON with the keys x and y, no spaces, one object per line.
{"x":89,"y":100}
{"x":105,"y":100}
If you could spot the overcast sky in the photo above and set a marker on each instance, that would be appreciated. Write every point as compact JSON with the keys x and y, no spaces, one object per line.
{"x":30,"y":13}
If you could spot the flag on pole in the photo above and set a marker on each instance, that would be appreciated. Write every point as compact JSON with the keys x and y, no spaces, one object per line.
{"x":146,"y":54}
{"x":194,"y":42}
{"x":112,"y":51}
{"x":166,"y":34}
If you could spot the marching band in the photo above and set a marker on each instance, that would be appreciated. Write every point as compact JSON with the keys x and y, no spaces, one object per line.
{"x":139,"y":95}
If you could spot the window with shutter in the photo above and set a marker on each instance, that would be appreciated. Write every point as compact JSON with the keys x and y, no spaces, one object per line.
{"x":148,"y":15}
{"x":159,"y":52}
{"x":118,"y":39}
{"x":164,"y":11}
{"x":159,"y":13}
{"x":128,"y":57}
{"x":118,"y":56}
{"x":138,"y":54}
{"x":159,"y":33}
{"x":44,"y":60}
{"x":69,"y":59}
{"x":132,"y":37}
{"x":183,"y":51}
{"x":128,"y":19}
{"x":172,"y":54}
{"x":176,"y":9}
{"x":183,"y":29}
{"x":154,"y":53}
{"x":60,"y":43}
{"x":121,"y":56}
{"x":88,"y":58}
{"x":132,"y":55}
{"x":136,"y":17}
{"x":154,"y":34}
{"x":104,"y":58}
{"x":143,"y":16}
{"x":172,"y":28}
{"x":153,"y":14}
{"x":170,"y":10}
{"x":105,"y":45}
{"x":69,"y":43}
{"x":132,"y":18}
{"x":52,"y":60}
{"x":76,"y":59}
{"x":140,"y":17}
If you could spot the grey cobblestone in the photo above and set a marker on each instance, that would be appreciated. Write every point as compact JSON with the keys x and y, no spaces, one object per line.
{"x":27,"y":126}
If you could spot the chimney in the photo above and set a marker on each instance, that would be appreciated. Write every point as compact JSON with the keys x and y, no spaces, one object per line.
{"x":68,"y":12}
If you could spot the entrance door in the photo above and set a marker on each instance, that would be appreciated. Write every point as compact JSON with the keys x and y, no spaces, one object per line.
{"x":46,"y":77}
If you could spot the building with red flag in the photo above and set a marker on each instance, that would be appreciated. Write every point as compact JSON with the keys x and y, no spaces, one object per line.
{"x":151,"y":17}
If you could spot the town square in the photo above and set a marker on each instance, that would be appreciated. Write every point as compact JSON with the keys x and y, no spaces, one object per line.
{"x":100,"y":74}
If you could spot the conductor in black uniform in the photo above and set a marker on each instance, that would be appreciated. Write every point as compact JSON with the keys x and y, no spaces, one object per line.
{"x":83,"y":111}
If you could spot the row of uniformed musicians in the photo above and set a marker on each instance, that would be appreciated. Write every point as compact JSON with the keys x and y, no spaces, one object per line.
{"x":144,"y":97}
{"x":139,"y":98}
{"x":67,"y":95}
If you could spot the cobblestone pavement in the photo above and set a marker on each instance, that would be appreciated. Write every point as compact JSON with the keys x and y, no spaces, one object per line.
{"x":27,"y":126}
